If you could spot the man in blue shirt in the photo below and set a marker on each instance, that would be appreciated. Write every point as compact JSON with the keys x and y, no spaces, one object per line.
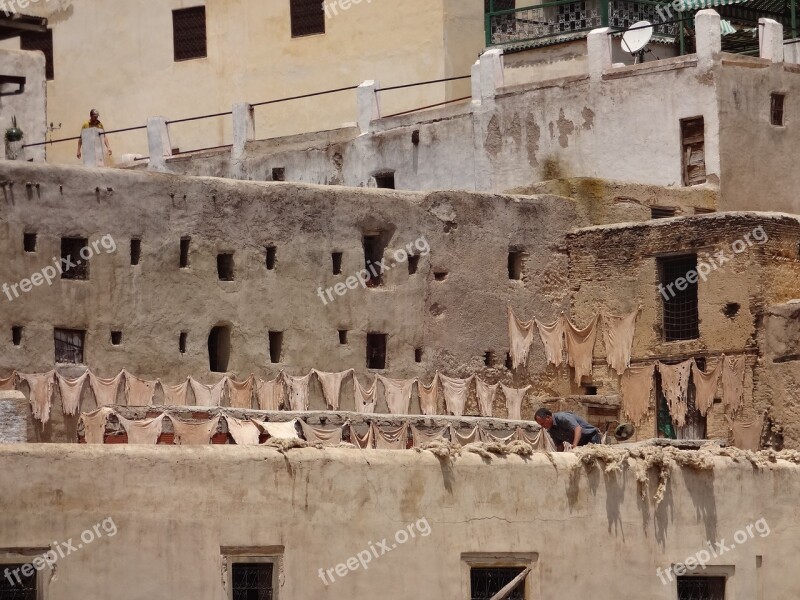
{"x":567,"y":427}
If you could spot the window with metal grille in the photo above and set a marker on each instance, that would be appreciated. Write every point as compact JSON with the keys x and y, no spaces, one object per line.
{"x":37,"y":40}
{"x":308,"y":17}
{"x":74,"y":265}
{"x":16,"y":586}
{"x":776,"y":109}
{"x":701,"y":588}
{"x":485,"y":582}
{"x":693,"y":147}
{"x":498,"y":5}
{"x":662,"y":212}
{"x":69,"y":344}
{"x":679,"y":297}
{"x":252,"y":581}
{"x":189,"y":33}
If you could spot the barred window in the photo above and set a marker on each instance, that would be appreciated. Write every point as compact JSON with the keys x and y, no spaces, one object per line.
{"x":69,"y":345}
{"x":19,"y":583}
{"x":308,"y":17}
{"x":701,"y":588}
{"x":36,"y":40}
{"x":189,"y":33}
{"x":252,"y":581}
{"x":679,"y":294}
{"x":486,"y":582}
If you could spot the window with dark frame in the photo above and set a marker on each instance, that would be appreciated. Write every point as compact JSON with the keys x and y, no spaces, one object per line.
{"x":16,"y":335}
{"x":336,"y":259}
{"x":701,"y":588}
{"x":343,"y":337}
{"x":385,"y":181}
{"x":279,"y":174}
{"x":116,"y":338}
{"x":515,"y":263}
{"x":776,"y":109}
{"x":40,"y":40}
{"x":29,"y":242}
{"x":69,"y":345}
{"x":681,"y":319}
{"x":374,"y":246}
{"x":693,"y":151}
{"x":189,"y":33}
{"x":485,"y":582}
{"x":75,"y":266}
{"x":252,"y":580}
{"x":18,"y":586}
{"x":307,"y":16}
{"x":376,"y":350}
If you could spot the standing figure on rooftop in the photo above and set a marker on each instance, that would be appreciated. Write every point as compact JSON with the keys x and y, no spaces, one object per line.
{"x":568,"y":427}
{"x":94,"y":121}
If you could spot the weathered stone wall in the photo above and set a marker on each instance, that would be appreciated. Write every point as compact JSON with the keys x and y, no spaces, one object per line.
{"x":454,"y":321}
{"x":320,"y":507}
{"x":615,"y":268}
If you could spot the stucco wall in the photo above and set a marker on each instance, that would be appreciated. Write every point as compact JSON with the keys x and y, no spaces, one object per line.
{"x":758,"y":171}
{"x":620,"y":281}
{"x":454,"y":322}
{"x":251,"y":57}
{"x":174,"y":512}
{"x":31,"y":106}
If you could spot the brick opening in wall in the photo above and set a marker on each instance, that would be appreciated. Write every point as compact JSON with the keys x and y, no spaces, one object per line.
{"x":184,"y":261}
{"x":385,"y":181}
{"x":681,"y":320}
{"x":509,"y":363}
{"x":76,"y":266}
{"x":136,"y":251}
{"x":488,"y":358}
{"x":374,"y":247}
{"x":279,"y":174}
{"x":731,"y":309}
{"x":69,"y":345}
{"x":413,"y":264}
{"x":272,"y":255}
{"x":182,"y":342}
{"x":693,"y":151}
{"x":29,"y":242}
{"x":376,"y":350}
{"x":662,"y":212}
{"x":219,"y":348}
{"x":515,"y":263}
{"x":440,"y":275}
{"x":343,"y":336}
{"x":225,"y":266}
{"x":116,"y":338}
{"x":275,"y":346}
{"x":336,"y":260}
{"x":16,"y":335}
{"x":418,"y":355}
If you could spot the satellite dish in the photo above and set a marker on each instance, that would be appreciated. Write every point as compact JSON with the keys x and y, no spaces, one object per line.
{"x":637,"y":37}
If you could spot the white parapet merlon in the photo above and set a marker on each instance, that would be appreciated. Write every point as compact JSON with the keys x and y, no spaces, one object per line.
{"x":244,"y":130}
{"x":14,"y":416}
{"x":791,"y":51}
{"x":598,"y":48}
{"x":475,"y":81}
{"x":158,"y":143}
{"x":708,"y":36}
{"x":770,"y":43}
{"x":368,"y":106}
{"x":92,"y":147}
{"x":491,"y":70}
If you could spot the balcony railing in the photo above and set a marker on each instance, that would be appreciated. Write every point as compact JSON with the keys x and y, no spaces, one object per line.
{"x":562,"y":20}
